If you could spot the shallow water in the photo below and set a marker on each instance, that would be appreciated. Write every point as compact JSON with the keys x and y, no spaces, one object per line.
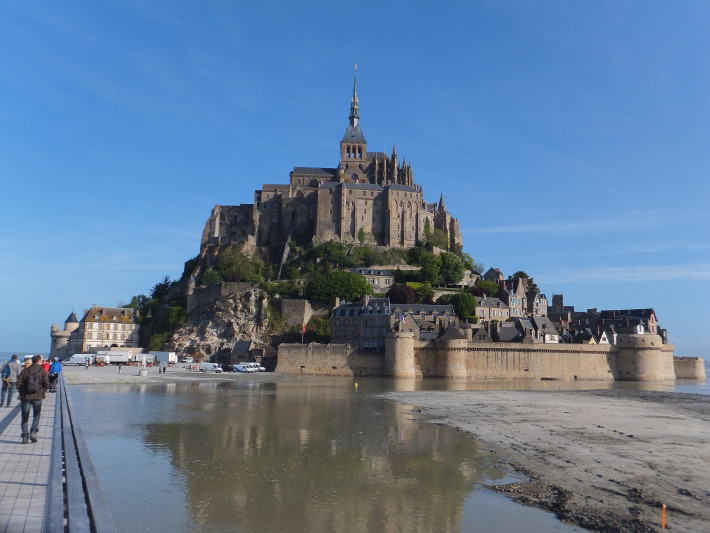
{"x":302,"y":456}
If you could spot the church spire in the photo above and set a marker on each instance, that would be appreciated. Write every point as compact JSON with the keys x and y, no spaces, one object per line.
{"x":354,"y":105}
{"x":442,"y":207}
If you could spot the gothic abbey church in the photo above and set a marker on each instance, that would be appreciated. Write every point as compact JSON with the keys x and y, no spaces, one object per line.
{"x":368,"y":191}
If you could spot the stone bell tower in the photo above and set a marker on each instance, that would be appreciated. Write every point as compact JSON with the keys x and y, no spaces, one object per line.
{"x":353,"y":146}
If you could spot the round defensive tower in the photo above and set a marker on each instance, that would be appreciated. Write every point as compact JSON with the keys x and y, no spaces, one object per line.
{"x":399,"y":354}
{"x":451,"y":358}
{"x":641,"y":358}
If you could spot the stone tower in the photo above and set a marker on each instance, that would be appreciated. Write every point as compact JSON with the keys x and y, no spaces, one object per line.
{"x":353,"y":146}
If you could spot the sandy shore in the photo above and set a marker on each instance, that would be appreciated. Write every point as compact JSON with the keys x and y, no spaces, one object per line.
{"x":604,"y":459}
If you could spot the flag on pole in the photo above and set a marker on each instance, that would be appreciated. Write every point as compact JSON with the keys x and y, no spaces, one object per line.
{"x":304,"y":328}
{"x":404,"y":319}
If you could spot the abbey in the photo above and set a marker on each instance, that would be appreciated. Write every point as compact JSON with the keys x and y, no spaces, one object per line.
{"x":369,"y":196}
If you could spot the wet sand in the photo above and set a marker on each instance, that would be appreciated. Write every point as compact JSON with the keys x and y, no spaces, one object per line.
{"x":604,"y":459}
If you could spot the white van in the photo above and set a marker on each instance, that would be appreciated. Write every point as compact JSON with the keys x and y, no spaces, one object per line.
{"x":245,"y":367}
{"x":210,"y":367}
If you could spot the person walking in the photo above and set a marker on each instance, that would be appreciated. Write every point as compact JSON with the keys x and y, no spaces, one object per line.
{"x":54,"y":370}
{"x":10,"y":372}
{"x":32,"y":384}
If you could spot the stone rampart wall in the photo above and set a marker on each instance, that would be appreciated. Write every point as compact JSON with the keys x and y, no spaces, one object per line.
{"x":689,"y":367}
{"x":639,"y":358}
{"x":328,"y":360}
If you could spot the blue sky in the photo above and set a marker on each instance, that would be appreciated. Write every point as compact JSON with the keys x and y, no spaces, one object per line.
{"x":570,"y":139}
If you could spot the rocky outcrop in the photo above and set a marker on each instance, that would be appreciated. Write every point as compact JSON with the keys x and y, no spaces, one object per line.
{"x":216,"y":327}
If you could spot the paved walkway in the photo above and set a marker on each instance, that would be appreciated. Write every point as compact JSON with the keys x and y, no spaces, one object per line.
{"x":24,"y":469}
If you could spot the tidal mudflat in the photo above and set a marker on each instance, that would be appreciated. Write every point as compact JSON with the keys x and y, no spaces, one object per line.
{"x":604,"y":459}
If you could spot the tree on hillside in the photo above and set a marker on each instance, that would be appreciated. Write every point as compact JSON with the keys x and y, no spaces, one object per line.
{"x":344,"y":285}
{"x":489,"y":288}
{"x":211,"y":277}
{"x":361,"y":235}
{"x":233,"y":265}
{"x":401,"y":294}
{"x":431,"y":269}
{"x":532,"y":286}
{"x":472,"y":265}
{"x":439,"y":239}
{"x":424,"y":293}
{"x":452,"y":269}
{"x":416,"y":255}
{"x":334,"y":253}
{"x":464,"y":304}
{"x":160,"y":290}
{"x":427,"y":232}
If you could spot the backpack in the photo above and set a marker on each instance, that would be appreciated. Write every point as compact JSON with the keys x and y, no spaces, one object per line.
{"x":6,"y":371}
{"x":33,"y":385}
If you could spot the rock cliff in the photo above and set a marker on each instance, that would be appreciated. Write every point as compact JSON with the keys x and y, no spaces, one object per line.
{"x":217,"y":326}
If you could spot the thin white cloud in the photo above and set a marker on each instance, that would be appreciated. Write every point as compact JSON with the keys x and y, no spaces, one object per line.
{"x":604,"y":223}
{"x":643,"y":273}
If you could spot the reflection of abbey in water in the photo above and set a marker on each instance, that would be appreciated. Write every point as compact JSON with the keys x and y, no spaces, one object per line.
{"x":299,"y":458}
{"x":369,"y":194}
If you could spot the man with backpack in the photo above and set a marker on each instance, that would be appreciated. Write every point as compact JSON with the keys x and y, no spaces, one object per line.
{"x":10,"y":372}
{"x":32,"y":383}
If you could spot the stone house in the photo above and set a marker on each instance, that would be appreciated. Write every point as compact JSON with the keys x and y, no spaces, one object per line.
{"x":514,"y":294}
{"x":536,"y":304}
{"x":489,"y":309}
{"x":99,"y":328}
{"x":646,"y":317}
{"x":363,"y":324}
{"x":379,"y":280}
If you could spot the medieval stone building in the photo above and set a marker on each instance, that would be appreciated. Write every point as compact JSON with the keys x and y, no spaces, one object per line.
{"x":369,"y":195}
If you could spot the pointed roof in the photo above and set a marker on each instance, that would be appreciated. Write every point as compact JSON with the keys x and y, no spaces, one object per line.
{"x":353,"y":133}
{"x":354,"y":104}
{"x":72,"y":318}
{"x":442,"y":206}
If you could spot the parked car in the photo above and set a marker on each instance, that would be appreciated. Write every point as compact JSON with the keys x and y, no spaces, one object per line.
{"x":244,"y":367}
{"x":228,"y":368}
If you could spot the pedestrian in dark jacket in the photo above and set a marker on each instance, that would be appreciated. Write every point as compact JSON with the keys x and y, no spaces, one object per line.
{"x":32,"y":399}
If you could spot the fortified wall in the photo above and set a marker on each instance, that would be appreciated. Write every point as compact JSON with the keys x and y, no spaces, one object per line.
{"x":633,"y":358}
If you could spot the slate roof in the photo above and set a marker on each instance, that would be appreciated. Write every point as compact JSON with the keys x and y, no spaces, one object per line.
{"x":347,"y":185}
{"x":636,"y":313}
{"x":377,"y":305}
{"x":398,"y":187}
{"x":427,"y":308}
{"x":453,"y":333}
{"x":72,"y":318}
{"x":354,"y":134}
{"x":314,"y":171}
{"x":508,"y":334}
{"x":487,"y":302}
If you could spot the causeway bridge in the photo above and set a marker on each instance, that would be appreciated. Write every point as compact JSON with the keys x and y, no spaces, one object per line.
{"x":51,"y":485}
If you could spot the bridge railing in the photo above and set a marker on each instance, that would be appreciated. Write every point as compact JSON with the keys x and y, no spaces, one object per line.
{"x":75,"y":501}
